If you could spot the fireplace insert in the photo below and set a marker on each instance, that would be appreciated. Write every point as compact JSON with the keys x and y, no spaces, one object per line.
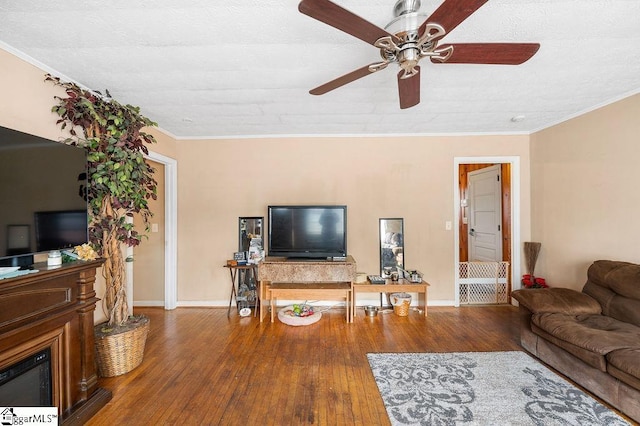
{"x":27,"y":383}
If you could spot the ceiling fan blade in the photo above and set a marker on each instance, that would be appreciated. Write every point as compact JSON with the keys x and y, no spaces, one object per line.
{"x":451,"y":13}
{"x":340,"y":18}
{"x":488,"y":53}
{"x":348,"y":78}
{"x":409,"y":89}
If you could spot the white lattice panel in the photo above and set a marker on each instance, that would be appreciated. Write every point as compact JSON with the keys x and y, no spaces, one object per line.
{"x":483,"y":282}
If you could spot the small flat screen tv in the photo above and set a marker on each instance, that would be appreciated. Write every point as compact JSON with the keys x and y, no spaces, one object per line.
{"x":43,"y":205}
{"x":307,"y":231}
{"x":60,"y":229}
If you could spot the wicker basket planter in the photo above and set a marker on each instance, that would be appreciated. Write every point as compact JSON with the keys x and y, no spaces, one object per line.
{"x":120,"y":351}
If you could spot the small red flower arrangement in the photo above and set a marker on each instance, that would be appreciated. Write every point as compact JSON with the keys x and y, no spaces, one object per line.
{"x":529,"y":281}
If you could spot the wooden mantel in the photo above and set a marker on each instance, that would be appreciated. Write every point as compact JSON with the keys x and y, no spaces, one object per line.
{"x":53,"y":308}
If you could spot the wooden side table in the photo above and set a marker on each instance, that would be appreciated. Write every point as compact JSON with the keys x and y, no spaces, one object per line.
{"x":402,"y":285}
{"x":233,"y":272}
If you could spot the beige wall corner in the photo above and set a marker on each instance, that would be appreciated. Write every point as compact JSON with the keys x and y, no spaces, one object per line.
{"x":584,"y":188}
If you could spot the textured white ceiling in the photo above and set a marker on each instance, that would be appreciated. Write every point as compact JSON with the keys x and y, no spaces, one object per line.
{"x":207,"y":68}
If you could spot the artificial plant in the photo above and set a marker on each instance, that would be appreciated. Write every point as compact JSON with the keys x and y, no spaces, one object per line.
{"x":119,"y":181}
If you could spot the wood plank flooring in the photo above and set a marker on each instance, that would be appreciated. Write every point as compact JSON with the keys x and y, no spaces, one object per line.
{"x":201,"y":367}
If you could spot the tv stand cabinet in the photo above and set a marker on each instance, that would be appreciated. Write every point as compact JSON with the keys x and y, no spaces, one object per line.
{"x":304,"y":279}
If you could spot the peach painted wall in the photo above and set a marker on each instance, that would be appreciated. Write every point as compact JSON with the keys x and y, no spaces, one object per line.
{"x":584,"y":192}
{"x":408,"y":177}
{"x":25,"y":98}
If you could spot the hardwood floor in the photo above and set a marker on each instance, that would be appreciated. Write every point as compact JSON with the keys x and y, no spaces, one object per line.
{"x":201,"y":367}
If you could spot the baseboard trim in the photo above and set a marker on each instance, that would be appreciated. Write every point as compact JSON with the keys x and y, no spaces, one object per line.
{"x":148,"y":303}
{"x":89,"y":408}
{"x":225,"y":303}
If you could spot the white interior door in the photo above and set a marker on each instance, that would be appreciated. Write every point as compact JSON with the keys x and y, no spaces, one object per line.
{"x":485,"y":215}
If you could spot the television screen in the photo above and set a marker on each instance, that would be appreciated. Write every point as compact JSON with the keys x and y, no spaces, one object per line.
{"x":307,"y":231}
{"x":60,"y":229}
{"x":42,"y":185}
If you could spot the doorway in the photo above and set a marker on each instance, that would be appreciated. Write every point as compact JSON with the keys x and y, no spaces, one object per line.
{"x":169,"y":256}
{"x":148,"y":264}
{"x":508,"y":170}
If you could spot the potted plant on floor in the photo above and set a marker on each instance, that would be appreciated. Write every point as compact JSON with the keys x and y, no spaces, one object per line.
{"x":119,"y":185}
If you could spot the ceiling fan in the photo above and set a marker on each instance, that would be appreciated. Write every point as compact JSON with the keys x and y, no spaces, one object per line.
{"x":409,"y":38}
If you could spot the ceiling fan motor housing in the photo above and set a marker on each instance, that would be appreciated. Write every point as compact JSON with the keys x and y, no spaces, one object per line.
{"x":406,"y":6}
{"x":409,"y":48}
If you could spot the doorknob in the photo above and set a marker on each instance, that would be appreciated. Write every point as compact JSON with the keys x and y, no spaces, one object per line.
{"x":472,"y":232}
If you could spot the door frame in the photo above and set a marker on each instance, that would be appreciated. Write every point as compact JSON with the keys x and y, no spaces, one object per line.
{"x":514,"y":161}
{"x":170,"y":232}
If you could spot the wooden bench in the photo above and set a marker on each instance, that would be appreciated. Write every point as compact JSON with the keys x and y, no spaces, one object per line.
{"x":310,"y":291}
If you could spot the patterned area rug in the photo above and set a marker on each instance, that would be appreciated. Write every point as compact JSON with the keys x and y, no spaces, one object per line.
{"x":481,"y":388}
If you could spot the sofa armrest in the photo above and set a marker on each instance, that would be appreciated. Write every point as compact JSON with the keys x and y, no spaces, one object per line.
{"x":563,"y":300}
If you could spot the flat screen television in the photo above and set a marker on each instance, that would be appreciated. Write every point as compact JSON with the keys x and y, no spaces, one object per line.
{"x":307,"y":231}
{"x":60,"y":229}
{"x":43,"y":205}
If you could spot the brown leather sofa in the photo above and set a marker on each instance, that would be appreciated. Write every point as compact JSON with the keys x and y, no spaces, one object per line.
{"x":593,"y":336}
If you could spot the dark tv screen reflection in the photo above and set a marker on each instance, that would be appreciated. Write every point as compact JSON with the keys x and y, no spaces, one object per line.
{"x":56,"y":230}
{"x":42,"y":202}
{"x":307,"y":231}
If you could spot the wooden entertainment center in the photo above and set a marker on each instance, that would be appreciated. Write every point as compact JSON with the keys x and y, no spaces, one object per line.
{"x":305,"y":279}
{"x":53,"y":309}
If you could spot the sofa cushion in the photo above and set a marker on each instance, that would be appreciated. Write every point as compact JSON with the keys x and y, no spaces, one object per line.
{"x":556,"y":299}
{"x":590,"y":358}
{"x":616,"y":286}
{"x":596,"y":334}
{"x":622,"y":278}
{"x":624,"y":364}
